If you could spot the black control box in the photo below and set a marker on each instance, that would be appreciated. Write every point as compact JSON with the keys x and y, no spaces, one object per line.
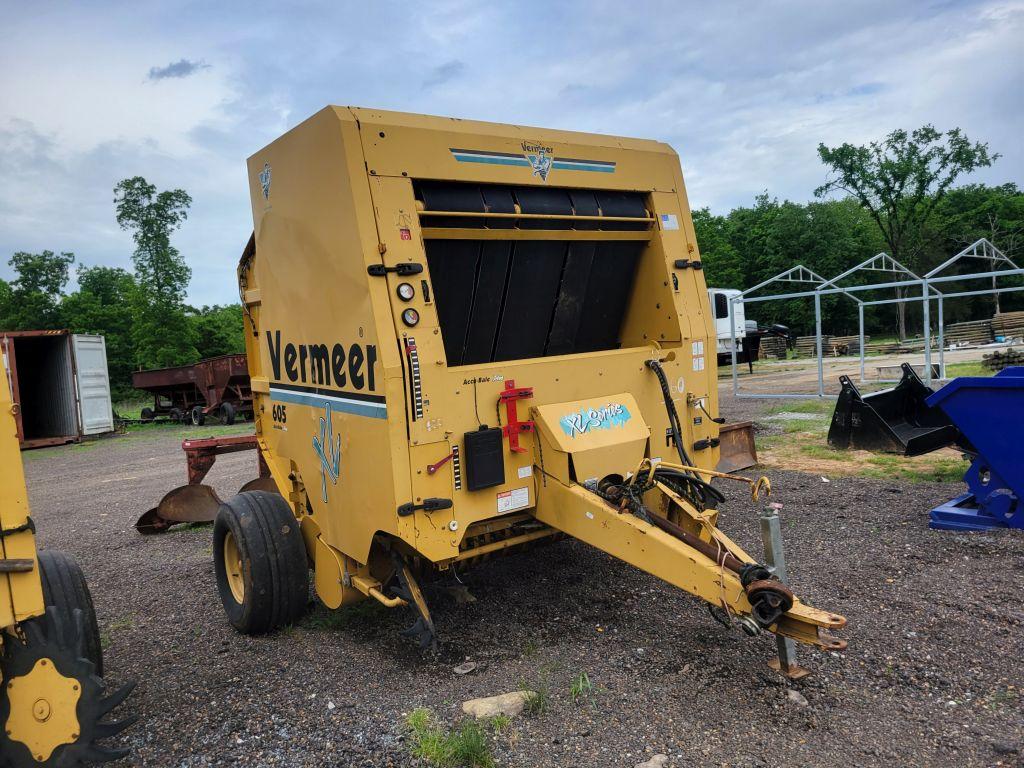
{"x":483,"y":455}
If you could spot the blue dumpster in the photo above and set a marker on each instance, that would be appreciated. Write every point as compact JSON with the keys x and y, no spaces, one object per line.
{"x":990,"y":414}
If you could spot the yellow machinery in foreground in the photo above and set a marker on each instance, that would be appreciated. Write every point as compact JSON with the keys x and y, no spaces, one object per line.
{"x":464,"y":338}
{"x":52,"y":701}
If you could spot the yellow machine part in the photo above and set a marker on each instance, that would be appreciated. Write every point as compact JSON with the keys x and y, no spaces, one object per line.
{"x":364,"y":286}
{"x":43,"y":709}
{"x":21,"y":593}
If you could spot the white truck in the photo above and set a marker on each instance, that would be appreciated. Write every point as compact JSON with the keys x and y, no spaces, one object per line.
{"x":721,"y":306}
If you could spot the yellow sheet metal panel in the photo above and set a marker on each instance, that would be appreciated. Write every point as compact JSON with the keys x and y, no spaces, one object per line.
{"x":21,"y":594}
{"x":332,"y":198}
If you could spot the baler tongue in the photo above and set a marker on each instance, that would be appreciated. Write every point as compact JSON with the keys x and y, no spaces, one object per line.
{"x":197,"y":502}
{"x":599,"y":488}
{"x":896,"y":420}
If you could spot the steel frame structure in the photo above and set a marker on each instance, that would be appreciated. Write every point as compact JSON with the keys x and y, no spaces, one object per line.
{"x":882,"y":262}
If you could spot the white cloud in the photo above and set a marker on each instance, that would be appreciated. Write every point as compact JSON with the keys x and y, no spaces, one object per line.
{"x":743,"y":91}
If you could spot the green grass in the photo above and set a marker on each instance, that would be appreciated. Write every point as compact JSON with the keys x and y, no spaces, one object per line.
{"x":972,"y":368}
{"x":500,"y":724}
{"x":465,"y":747}
{"x":580,"y":687}
{"x":539,"y":700}
{"x":940,"y":470}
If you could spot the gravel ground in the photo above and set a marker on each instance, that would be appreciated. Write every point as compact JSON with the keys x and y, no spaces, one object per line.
{"x":932,"y":676}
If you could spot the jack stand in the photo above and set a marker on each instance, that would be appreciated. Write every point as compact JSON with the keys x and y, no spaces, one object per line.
{"x":775,"y":559}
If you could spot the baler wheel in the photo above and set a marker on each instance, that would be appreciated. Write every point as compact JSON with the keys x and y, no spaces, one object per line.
{"x":260,"y":562}
{"x":65,"y":589}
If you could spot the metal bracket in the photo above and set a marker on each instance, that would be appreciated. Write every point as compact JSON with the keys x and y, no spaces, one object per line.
{"x":687,"y":264}
{"x":402,"y":270}
{"x":28,"y":525}
{"x":708,"y":442}
{"x":513,"y":425}
{"x":427,"y":505}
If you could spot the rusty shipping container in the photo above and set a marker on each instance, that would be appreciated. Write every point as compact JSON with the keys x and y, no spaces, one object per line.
{"x":60,"y":385}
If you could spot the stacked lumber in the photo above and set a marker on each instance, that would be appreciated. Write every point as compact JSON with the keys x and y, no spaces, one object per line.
{"x":773,"y":347}
{"x":970,"y":332}
{"x":1008,"y":324}
{"x":1003,"y":358}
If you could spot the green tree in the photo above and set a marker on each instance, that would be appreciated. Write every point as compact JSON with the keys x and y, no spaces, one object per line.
{"x":161,"y":331}
{"x":218,"y":330}
{"x":900,"y":181}
{"x":33,"y":299}
{"x":103,"y":304}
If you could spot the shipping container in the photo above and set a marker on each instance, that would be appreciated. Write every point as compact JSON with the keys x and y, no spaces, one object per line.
{"x":60,"y":385}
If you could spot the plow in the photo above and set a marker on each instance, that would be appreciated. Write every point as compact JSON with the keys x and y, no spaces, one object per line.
{"x":465,"y":339}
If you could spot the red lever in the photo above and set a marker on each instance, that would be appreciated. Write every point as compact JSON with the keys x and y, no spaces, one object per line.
{"x":514,"y":426}
{"x":432,"y":468}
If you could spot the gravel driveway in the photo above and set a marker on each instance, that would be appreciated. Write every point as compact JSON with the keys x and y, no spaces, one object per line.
{"x":932,"y":677}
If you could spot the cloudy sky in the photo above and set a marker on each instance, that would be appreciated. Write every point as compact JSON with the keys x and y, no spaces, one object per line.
{"x":182,"y":93}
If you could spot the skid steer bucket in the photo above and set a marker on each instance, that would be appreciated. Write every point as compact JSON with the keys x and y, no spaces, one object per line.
{"x":736,"y":446}
{"x":197,"y":502}
{"x":895,"y":420}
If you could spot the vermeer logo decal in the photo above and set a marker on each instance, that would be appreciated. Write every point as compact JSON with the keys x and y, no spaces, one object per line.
{"x":589,"y":419}
{"x":540,"y":158}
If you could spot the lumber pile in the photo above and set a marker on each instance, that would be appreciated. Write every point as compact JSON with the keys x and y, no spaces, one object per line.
{"x":773,"y":347}
{"x":1003,"y":358}
{"x":970,"y":332}
{"x":1008,"y":324}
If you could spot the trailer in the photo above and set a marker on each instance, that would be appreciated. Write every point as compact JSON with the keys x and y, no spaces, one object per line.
{"x":217,"y":386}
{"x":59,"y":384}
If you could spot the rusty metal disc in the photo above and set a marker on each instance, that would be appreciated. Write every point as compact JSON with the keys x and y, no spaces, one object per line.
{"x":185,"y":504}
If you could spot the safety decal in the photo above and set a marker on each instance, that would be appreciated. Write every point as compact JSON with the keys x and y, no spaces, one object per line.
{"x":539,"y":157}
{"x":415,"y":382}
{"x":669,"y":221}
{"x":588,"y":419}
{"x":510,"y":501}
{"x":265,"y":181}
{"x":456,"y":468}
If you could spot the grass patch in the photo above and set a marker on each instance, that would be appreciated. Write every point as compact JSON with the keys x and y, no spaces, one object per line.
{"x":972,"y":368}
{"x":816,"y":405}
{"x":581,"y":687}
{"x":465,"y":747}
{"x":939,"y":470}
{"x":501,"y":723}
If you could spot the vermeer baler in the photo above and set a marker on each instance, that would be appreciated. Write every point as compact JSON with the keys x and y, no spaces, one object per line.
{"x":464,"y":338}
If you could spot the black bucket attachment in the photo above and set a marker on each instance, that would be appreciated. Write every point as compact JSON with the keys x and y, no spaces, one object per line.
{"x":896,"y":420}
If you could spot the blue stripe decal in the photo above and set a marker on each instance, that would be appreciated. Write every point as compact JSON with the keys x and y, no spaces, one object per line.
{"x":597,"y":168}
{"x":355,"y":407}
{"x":594,"y":166}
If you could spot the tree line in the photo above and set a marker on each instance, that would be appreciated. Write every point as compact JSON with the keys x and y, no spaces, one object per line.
{"x":898,"y":195}
{"x":142,"y":313}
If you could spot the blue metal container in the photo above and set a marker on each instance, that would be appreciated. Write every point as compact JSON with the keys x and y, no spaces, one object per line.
{"x":990,"y":413}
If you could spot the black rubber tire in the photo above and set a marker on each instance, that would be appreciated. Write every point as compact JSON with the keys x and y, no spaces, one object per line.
{"x":147,"y":414}
{"x":227,"y":413}
{"x":275,"y":571}
{"x":176,"y":414}
{"x":198,"y":417}
{"x":65,"y":589}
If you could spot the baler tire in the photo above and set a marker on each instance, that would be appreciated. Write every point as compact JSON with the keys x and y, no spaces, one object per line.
{"x":65,"y":588}
{"x":198,"y":417}
{"x":274,"y":570}
{"x":227,"y":413}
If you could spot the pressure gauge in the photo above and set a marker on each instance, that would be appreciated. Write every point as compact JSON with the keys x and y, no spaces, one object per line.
{"x":410,"y":317}
{"x":405,"y":291}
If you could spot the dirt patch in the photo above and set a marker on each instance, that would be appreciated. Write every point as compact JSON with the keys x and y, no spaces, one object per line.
{"x":932,"y":676}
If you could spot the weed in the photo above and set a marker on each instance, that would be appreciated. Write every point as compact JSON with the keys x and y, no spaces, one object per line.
{"x":539,"y":700}
{"x":341,"y":618}
{"x":581,"y":686}
{"x":531,"y":648}
{"x":500,"y":723}
{"x":466,"y":747}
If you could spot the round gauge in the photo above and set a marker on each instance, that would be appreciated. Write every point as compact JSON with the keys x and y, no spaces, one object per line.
{"x":405,"y":291}
{"x":410,"y":316}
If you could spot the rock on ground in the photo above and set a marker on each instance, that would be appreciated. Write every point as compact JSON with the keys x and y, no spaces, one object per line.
{"x":510,"y":704}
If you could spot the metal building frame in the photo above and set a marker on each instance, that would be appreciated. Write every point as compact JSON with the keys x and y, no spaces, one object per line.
{"x":882,"y":262}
